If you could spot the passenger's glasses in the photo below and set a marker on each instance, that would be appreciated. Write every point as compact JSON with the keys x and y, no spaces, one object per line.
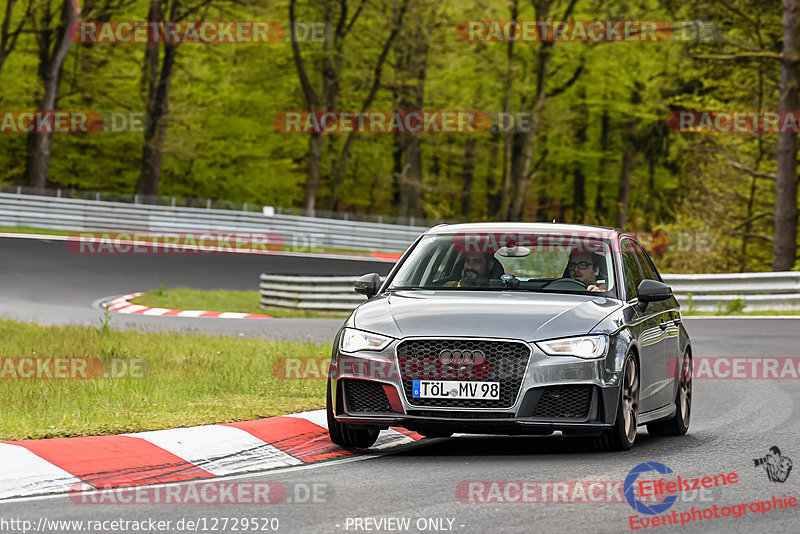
{"x":580,"y":265}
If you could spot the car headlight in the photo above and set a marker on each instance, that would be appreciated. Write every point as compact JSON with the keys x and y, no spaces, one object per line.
{"x":355,"y":340}
{"x":582,"y":347}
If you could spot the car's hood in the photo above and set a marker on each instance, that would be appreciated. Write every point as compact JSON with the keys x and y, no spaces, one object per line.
{"x":506,"y":314}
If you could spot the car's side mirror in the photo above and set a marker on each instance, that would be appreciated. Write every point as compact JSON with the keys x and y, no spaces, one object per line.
{"x":368,"y":284}
{"x":653,"y":290}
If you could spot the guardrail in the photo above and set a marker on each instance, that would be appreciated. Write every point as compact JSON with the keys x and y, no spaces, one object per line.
{"x":298,"y":232}
{"x":700,"y":292}
{"x":321,"y":293}
{"x":721,"y":292}
{"x":209,"y":203}
{"x":695,"y":292}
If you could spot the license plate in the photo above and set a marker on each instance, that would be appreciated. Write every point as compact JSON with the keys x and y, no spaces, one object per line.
{"x":455,"y":389}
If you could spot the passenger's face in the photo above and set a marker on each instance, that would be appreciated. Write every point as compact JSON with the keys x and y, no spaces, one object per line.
{"x":477,"y":266}
{"x":581,"y":268}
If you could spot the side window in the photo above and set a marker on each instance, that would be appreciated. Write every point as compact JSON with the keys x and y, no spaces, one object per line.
{"x":633,"y":275}
{"x":644,"y":262}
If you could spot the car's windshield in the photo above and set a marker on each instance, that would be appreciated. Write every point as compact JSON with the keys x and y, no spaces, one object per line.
{"x":509,"y":261}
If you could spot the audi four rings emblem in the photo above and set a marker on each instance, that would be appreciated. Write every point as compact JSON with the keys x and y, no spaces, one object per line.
{"x":462,"y":357}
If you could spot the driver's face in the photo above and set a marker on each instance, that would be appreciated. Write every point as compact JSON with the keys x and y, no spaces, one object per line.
{"x":477,"y":266}
{"x":581,"y":268}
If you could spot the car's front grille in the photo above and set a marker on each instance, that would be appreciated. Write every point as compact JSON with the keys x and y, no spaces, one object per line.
{"x":364,"y":396}
{"x":450,"y":414}
{"x":498,"y":361}
{"x":568,"y":402}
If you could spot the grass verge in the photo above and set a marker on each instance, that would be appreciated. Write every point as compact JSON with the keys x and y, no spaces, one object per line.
{"x":190,"y":380}
{"x":32,"y":230}
{"x":219,"y":300}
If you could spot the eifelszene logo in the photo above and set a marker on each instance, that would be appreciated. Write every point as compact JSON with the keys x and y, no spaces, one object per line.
{"x":630,"y":486}
{"x":777,"y":467}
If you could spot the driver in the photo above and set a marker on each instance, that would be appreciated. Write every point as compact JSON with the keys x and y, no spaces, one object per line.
{"x":585,"y":267}
{"x":477,"y":268}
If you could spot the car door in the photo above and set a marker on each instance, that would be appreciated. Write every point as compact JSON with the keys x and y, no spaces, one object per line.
{"x":647,"y":330}
{"x":669,"y":322}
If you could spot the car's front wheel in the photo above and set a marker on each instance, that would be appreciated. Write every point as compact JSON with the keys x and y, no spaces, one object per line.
{"x":346,"y":436}
{"x":622,"y":435}
{"x":679,"y":424}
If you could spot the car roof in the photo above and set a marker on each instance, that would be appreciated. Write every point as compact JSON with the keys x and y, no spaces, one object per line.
{"x":518,"y":227}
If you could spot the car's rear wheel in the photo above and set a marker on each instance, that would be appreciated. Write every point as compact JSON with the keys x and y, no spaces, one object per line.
{"x":345,"y":435}
{"x":622,"y":435}
{"x":679,"y":424}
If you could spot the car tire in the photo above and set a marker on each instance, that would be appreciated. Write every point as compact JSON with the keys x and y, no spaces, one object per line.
{"x":679,"y":423}
{"x":344,"y":435}
{"x":621,"y":436}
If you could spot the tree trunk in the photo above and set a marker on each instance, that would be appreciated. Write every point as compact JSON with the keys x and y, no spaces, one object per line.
{"x":397,"y":170}
{"x":4,"y":33}
{"x":408,"y":174}
{"x":504,"y":201}
{"x":652,"y":194}
{"x":748,"y":229}
{"x":410,"y":67}
{"x":578,"y":196}
{"x":326,"y":101}
{"x":8,"y":38}
{"x":50,"y":69}
{"x":340,"y":168}
{"x":158,"y":83}
{"x":579,"y":178}
{"x":512,"y":204}
{"x":599,"y":208}
{"x":313,"y":173}
{"x":492,"y":185}
{"x":784,"y":243}
{"x":628,"y":164}
{"x":468,"y":174}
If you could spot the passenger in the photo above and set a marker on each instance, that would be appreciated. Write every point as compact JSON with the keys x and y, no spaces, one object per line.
{"x":585,"y":267}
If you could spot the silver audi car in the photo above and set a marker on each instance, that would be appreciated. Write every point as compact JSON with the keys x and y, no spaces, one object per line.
{"x":514,"y":328}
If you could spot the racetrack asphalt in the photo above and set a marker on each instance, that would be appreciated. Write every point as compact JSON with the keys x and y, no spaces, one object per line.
{"x":42,"y":281}
{"x":734,"y":421}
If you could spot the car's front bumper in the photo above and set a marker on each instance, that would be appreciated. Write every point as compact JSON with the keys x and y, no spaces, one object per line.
{"x":554,"y":382}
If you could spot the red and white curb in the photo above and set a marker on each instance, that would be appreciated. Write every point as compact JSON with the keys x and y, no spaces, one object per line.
{"x":122,"y":305}
{"x":60,"y":465}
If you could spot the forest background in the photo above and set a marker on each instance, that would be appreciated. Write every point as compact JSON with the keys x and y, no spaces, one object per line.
{"x":598,"y":149}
